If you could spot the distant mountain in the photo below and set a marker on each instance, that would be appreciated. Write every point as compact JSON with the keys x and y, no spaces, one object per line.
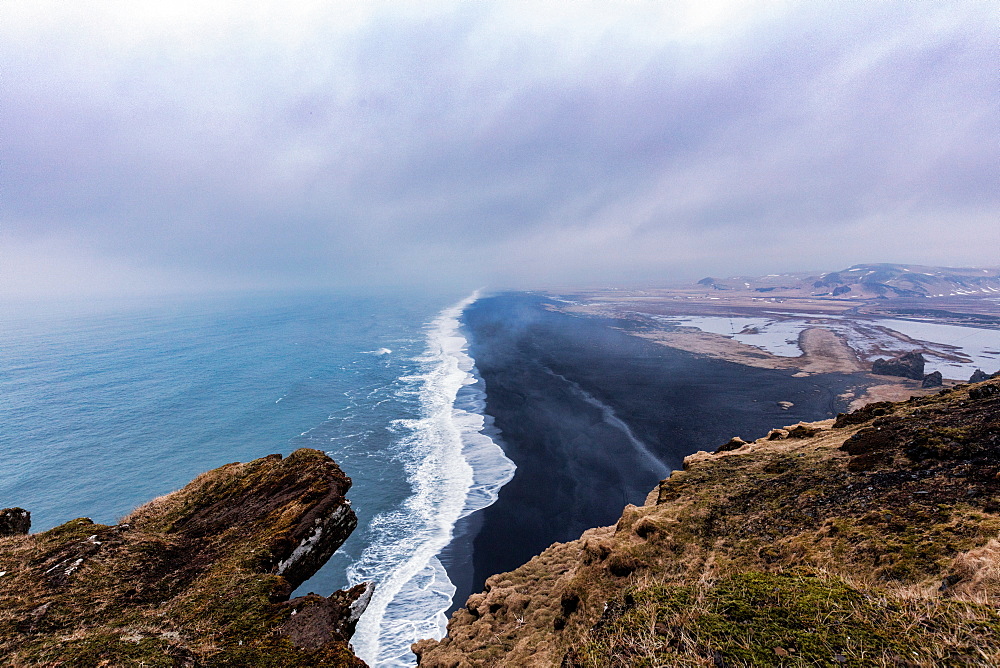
{"x":902,"y":280}
{"x":869,"y":281}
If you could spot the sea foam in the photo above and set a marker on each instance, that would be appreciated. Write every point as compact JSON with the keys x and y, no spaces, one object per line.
{"x":454,"y":468}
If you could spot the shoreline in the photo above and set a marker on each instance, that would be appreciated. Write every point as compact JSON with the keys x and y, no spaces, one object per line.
{"x":413,"y":588}
{"x":594,"y":417}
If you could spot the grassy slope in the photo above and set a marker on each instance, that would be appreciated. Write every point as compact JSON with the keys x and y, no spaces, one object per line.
{"x":867,"y":542}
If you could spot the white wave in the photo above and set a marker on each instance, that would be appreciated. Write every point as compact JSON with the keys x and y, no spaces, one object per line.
{"x":380,"y":351}
{"x":453,"y":469}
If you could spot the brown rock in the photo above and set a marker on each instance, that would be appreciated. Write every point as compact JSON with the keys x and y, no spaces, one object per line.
{"x":316,"y":620}
{"x":934,"y":379}
{"x":735,"y":443}
{"x":979,"y":376}
{"x":208,"y":568}
{"x":803,"y":431}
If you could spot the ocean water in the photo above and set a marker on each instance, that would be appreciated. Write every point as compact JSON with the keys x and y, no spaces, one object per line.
{"x":106,"y":406}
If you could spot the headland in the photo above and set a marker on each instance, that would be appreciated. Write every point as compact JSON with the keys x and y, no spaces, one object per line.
{"x":199,"y":577}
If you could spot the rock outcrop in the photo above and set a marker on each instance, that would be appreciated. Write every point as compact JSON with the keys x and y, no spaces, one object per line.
{"x":934,"y":379}
{"x":14,"y":521}
{"x":735,"y":443}
{"x":979,"y":376}
{"x":201,"y":576}
{"x":907,"y":365}
{"x":869,"y":540}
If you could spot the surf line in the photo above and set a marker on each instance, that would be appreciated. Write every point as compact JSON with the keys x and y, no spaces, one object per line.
{"x":413,"y":591}
{"x":610,"y":418}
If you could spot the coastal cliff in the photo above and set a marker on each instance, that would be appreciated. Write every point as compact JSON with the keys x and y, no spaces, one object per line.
{"x":868,"y":540}
{"x":199,"y":577}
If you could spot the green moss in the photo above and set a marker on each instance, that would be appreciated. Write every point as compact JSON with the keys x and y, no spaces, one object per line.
{"x":105,"y":649}
{"x":767,"y":619}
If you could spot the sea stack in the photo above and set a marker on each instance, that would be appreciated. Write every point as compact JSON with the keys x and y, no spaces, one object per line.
{"x":978,"y":376}
{"x":907,"y":365}
{"x":934,"y":379}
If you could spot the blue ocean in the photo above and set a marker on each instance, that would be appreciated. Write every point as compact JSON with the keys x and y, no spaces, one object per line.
{"x":108,"y":405}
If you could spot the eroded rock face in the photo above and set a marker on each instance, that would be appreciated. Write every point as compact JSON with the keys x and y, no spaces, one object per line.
{"x":199,"y":577}
{"x":908,"y":365}
{"x":316,"y":620}
{"x":735,"y":443}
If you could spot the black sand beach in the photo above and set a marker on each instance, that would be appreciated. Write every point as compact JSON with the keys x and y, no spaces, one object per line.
{"x":594,"y":418}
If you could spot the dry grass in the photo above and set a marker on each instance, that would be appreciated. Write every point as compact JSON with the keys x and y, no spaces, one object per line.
{"x":755,"y":618}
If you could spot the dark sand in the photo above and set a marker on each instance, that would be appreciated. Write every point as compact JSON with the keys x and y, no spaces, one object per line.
{"x":576,"y":465}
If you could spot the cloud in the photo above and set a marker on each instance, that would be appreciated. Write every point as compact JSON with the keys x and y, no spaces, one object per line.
{"x":335,"y":143}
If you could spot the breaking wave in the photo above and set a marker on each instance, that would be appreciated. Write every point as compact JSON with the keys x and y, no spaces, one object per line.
{"x":454,"y":469}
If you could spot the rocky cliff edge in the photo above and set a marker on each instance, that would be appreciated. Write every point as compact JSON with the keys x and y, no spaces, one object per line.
{"x":871,"y":540}
{"x":199,"y":577}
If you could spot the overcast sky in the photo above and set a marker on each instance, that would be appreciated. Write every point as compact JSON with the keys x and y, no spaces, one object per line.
{"x":169,"y":146}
